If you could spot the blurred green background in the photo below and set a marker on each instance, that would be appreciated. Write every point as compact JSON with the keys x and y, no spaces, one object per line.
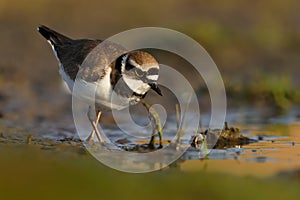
{"x":255,"y":44}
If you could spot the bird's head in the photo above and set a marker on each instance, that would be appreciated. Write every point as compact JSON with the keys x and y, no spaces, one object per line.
{"x":140,"y":70}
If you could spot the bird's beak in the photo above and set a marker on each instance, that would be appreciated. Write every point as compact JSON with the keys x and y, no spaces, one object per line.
{"x":155,"y":87}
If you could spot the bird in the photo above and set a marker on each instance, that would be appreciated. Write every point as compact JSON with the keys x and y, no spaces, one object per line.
{"x":130,"y":76}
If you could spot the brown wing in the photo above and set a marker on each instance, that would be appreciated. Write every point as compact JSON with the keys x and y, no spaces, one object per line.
{"x":98,"y":62}
{"x":72,"y":54}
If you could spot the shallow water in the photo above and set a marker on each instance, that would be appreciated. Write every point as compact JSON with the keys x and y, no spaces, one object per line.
{"x":267,"y":157}
{"x":51,"y":161}
{"x":276,"y":148}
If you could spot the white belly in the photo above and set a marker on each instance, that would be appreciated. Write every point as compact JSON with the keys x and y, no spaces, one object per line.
{"x":99,"y":93}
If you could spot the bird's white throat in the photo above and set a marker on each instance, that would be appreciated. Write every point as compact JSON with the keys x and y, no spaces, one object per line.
{"x":138,"y":86}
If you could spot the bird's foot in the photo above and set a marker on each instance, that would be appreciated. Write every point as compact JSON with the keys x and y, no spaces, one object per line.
{"x":90,"y":138}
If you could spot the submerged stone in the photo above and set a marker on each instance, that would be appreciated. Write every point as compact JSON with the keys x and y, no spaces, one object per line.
{"x":225,"y":138}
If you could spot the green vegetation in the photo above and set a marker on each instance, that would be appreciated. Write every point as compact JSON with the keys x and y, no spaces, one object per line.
{"x":274,"y":91}
{"x":252,"y":43}
{"x":255,"y":44}
{"x":28,"y":172}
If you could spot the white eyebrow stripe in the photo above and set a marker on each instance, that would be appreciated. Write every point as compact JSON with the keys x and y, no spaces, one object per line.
{"x":152,"y":77}
{"x":132,"y":62}
{"x":144,"y":67}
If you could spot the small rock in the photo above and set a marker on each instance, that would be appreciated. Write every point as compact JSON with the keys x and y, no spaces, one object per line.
{"x":260,"y":137}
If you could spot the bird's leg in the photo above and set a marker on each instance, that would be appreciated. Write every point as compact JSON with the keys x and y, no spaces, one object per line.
{"x":94,"y":122}
{"x":91,"y":136}
{"x":95,"y":126}
{"x":156,"y":125}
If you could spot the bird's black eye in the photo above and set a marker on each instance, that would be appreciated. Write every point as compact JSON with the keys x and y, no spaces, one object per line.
{"x":152,"y":71}
{"x":139,"y":72}
{"x":129,"y":66}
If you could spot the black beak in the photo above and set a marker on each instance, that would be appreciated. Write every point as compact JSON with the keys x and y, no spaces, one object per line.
{"x":155,"y":87}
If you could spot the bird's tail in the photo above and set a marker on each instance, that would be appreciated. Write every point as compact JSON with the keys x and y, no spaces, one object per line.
{"x":52,"y":36}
